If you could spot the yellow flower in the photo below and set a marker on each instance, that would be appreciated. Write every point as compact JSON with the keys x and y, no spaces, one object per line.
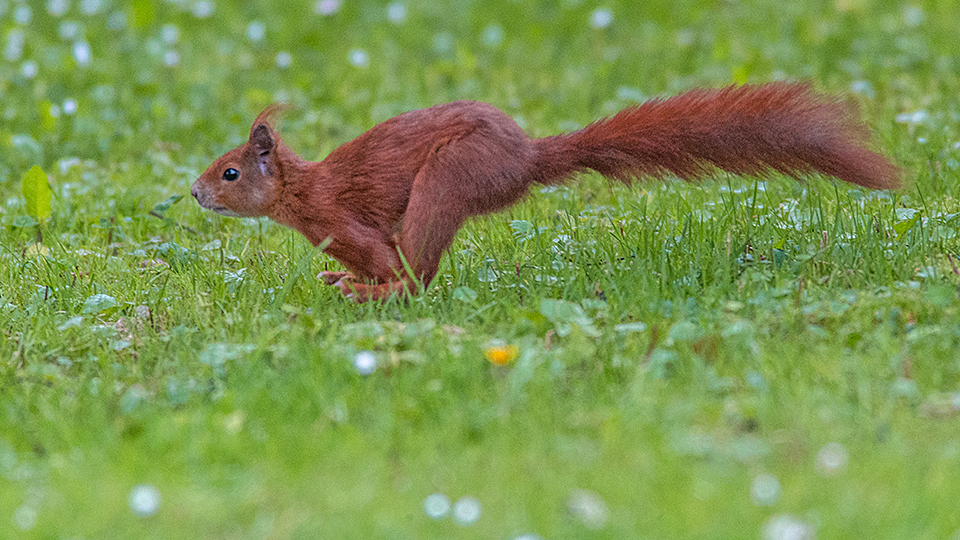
{"x":501,"y":354}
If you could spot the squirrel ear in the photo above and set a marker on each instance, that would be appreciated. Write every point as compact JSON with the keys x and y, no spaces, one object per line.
{"x":261,"y":139}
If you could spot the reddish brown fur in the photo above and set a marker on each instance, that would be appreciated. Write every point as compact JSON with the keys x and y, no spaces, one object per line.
{"x":407,"y":185}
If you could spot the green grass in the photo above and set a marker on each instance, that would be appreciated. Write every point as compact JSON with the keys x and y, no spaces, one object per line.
{"x":677,"y":344}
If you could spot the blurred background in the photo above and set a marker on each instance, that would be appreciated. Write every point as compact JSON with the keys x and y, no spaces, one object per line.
{"x":178,"y":81}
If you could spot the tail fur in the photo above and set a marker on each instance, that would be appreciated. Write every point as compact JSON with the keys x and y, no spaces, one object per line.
{"x":746,"y":130}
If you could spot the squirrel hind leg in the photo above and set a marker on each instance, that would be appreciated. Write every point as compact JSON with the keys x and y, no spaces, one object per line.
{"x":428,"y":230}
{"x":475,"y":175}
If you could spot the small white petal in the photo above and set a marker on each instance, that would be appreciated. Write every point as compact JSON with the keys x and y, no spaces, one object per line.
{"x":466,"y":511}
{"x":256,"y":31}
{"x":90,"y":7}
{"x":82,"y":53}
{"x":25,"y":518}
{"x":436,"y":506}
{"x":365,"y":362}
{"x":784,"y":527}
{"x":831,"y":459}
{"x":589,"y":508}
{"x":327,"y":7}
{"x":69,"y":106}
{"x":144,"y":500}
{"x":29,"y":69}
{"x":765,"y":490}
{"x":601,"y":18}
{"x":23,"y":15}
{"x":169,"y":33}
{"x":359,"y":58}
{"x":57,"y":8}
{"x":396,"y":12}
{"x":203,"y":9}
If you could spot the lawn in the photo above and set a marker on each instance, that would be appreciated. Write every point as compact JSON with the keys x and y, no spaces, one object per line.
{"x":740,"y":358}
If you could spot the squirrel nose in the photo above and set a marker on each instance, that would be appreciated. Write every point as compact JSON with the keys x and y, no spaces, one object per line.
{"x":194,"y":191}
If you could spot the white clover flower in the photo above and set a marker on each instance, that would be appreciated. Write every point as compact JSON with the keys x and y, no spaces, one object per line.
{"x":16,"y":39}
{"x":29,"y":69}
{"x":396,"y":12}
{"x":359,"y":58}
{"x":765,"y":490}
{"x":365,"y":362}
{"x":91,"y":7}
{"x":69,"y":106}
{"x":831,"y":459}
{"x":601,"y":18}
{"x":169,"y":33}
{"x":144,"y":500}
{"x":327,"y":7}
{"x":56,"y":8}
{"x":256,"y":31}
{"x":436,"y":506}
{"x":784,"y":527}
{"x":22,"y":15}
{"x":82,"y":53}
{"x":466,"y":511}
{"x":589,"y":508}
{"x":203,"y":9}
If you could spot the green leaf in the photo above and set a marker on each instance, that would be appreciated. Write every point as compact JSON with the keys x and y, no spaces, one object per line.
{"x":36,"y":190}
{"x":23,"y":222}
{"x":522,"y":229}
{"x":162,"y":207}
{"x":217,"y":354}
{"x":563,"y":313}
{"x":47,"y":120}
{"x":487,"y":275}
{"x":98,"y":303}
{"x":465,"y":294}
{"x":903,"y":227}
{"x":684,"y":331}
{"x":630,"y":327}
{"x":72,"y":322}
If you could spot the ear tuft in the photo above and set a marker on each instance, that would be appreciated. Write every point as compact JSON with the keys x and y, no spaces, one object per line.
{"x":261,"y":139}
{"x":271,"y":115}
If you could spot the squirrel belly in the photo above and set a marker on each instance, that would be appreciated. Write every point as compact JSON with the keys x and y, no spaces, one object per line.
{"x":394,"y":198}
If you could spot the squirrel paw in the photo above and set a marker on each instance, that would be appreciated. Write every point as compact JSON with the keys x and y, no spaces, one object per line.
{"x":358,"y":292}
{"x":348,"y":287}
{"x":331,"y":278}
{"x":362,"y":292}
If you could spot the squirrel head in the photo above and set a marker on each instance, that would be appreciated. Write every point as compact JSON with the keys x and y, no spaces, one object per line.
{"x":245,"y":182}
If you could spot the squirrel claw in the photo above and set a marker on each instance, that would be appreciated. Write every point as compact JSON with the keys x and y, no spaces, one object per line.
{"x":345,"y":286}
{"x":333,"y":278}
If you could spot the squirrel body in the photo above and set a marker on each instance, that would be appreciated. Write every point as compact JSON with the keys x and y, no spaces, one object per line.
{"x":394,"y":198}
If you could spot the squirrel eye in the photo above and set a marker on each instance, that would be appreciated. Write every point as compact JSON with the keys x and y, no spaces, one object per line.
{"x":231,"y":174}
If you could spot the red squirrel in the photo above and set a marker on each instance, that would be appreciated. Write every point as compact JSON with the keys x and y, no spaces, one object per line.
{"x":391,"y":201}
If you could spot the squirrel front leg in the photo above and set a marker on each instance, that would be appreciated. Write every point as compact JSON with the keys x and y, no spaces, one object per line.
{"x":429,"y":227}
{"x":368,"y":255}
{"x":365,"y":292}
{"x":331,"y":278}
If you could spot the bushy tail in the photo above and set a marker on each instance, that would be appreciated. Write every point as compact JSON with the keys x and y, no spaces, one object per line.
{"x":749,"y":130}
